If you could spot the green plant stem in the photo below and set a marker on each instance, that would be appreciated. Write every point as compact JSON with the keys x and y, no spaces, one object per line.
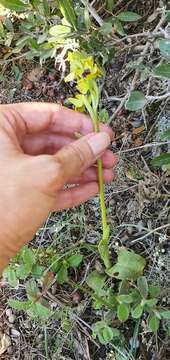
{"x":104,"y":242}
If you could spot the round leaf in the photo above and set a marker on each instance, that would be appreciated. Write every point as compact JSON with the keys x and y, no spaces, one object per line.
{"x":162,"y":71}
{"x":136,"y":101}
{"x":123,"y":312}
{"x":137,"y":311}
{"x":107,"y":334}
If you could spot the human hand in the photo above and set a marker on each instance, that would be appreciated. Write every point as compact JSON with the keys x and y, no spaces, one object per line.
{"x":38,"y":156}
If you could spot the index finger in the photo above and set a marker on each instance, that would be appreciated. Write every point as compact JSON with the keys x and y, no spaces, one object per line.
{"x":55,"y":118}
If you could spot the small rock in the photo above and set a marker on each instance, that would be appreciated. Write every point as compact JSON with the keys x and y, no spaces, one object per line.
{"x":8,"y":312}
{"x":15,"y":333}
{"x":10,"y":350}
{"x":11,"y":319}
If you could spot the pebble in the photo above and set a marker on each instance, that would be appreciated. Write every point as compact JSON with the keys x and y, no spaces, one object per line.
{"x":11,"y":319}
{"x":8,"y":313}
{"x":15,"y":333}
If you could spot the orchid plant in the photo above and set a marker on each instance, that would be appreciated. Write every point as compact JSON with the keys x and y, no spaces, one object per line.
{"x":85,"y":72}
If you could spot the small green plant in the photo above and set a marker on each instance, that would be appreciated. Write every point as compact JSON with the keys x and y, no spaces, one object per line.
{"x":164,"y":159}
{"x":133,"y":298}
{"x":39,"y":269}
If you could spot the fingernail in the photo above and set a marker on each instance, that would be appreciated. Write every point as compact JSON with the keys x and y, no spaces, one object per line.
{"x":99,"y":142}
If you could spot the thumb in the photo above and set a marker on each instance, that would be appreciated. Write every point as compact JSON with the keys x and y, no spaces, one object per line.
{"x":73,"y":159}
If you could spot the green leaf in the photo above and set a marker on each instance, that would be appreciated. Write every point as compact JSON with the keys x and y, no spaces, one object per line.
{"x":11,"y":276}
{"x":19,"y":305}
{"x":103,"y":116}
{"x":161,"y":160}
{"x":62,"y":275}
{"x":31,"y":289}
{"x":37,"y":271}
{"x":75,"y":260}
{"x":15,"y":5}
{"x":96,"y":281}
{"x":164,"y":45}
{"x":67,"y":9}
{"x":46,"y":8}
{"x":59,"y":31}
{"x":123,"y":312}
{"x":166,"y":135}
{"x":106,"y":28}
{"x":128,"y":16}
{"x":127,"y":299}
{"x":8,"y":24}
{"x":154,"y":290}
{"x":165,"y":315}
{"x":23,"y":271}
{"x":104,"y":332}
{"x":162,"y":71}
{"x":39,"y":311}
{"x":137,"y":311}
{"x":118,"y":27}
{"x":151,"y":302}
{"x":107,"y":334}
{"x":143,"y":286}
{"x":129,"y":266}
{"x":28,"y":257}
{"x":109,"y":5}
{"x":136,"y":101}
{"x":168,"y":16}
{"x":154,"y":324}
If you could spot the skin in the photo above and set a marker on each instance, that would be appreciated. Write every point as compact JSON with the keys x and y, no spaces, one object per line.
{"x":39,"y":155}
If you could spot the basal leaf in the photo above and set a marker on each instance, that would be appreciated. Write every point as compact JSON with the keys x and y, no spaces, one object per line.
{"x":11,"y":276}
{"x":164,"y":45}
{"x":19,"y":305}
{"x":165,"y":314}
{"x":137,"y":311}
{"x":161,"y":160}
{"x":37,"y":310}
{"x":15,"y":5}
{"x":75,"y":260}
{"x":143,"y":286}
{"x":106,"y":28}
{"x":28,"y":256}
{"x":127,"y":299}
{"x":162,"y":71}
{"x":31,"y":289}
{"x":62,"y":275}
{"x":96,"y":281}
{"x":129,"y":266}
{"x":154,"y":323}
{"x":136,"y":101}
{"x":128,"y":16}
{"x":154,"y":290}
{"x":166,"y":135}
{"x":123,"y":312}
